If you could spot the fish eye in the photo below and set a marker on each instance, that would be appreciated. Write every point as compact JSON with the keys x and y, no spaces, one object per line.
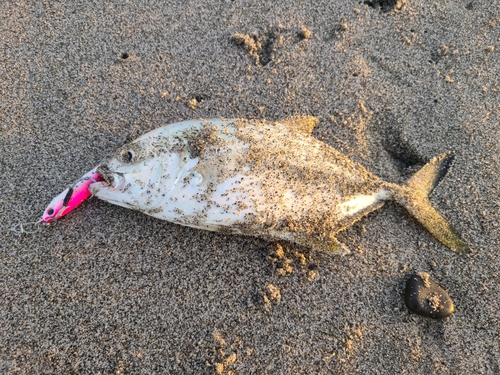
{"x":50,"y":211}
{"x":128,"y":156}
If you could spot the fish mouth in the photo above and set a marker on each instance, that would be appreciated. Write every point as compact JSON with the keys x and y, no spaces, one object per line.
{"x":111,"y":179}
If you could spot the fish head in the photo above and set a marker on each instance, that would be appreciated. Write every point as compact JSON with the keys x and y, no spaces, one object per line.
{"x":140,"y":173}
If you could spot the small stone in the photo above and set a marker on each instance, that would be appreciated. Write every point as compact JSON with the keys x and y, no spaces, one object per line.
{"x":273,"y":293}
{"x":423,"y":296}
{"x":304,"y":33}
{"x":311,"y":275}
{"x":193,"y":103}
{"x":219,"y":368}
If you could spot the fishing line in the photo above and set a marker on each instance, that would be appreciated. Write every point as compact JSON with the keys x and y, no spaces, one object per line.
{"x":20,"y":228}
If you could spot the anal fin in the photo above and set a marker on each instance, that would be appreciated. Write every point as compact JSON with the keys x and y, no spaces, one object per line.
{"x":329,"y":243}
{"x":300,"y":124}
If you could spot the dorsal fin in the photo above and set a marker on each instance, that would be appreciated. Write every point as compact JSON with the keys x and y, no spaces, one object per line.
{"x":300,"y":124}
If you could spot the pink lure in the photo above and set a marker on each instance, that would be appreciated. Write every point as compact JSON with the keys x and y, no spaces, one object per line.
{"x":71,"y":198}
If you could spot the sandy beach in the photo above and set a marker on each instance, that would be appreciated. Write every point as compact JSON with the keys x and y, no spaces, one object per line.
{"x":107,"y":290}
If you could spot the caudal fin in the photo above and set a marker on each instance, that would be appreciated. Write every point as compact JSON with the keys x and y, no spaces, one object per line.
{"x":414,"y":196}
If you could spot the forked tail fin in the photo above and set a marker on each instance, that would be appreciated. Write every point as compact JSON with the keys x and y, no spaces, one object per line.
{"x":414,"y":196}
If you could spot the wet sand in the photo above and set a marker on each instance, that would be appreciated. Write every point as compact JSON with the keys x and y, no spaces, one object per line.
{"x":112,"y":291}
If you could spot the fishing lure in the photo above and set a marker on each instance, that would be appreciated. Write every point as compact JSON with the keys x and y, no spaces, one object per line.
{"x":62,"y":204}
{"x":71,"y":198}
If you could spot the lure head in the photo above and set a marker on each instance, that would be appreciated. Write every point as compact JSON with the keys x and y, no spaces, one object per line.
{"x":56,"y":207}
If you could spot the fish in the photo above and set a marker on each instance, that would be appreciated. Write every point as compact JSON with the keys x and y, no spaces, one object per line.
{"x":71,"y":197}
{"x":268,"y":179}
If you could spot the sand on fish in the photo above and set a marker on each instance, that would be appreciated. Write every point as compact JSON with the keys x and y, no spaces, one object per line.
{"x":109,"y":290}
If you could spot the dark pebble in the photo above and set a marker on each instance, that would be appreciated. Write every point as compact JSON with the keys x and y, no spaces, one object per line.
{"x":425,"y":297}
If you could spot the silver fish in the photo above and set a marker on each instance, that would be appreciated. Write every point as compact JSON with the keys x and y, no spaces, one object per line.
{"x":267,"y":179}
